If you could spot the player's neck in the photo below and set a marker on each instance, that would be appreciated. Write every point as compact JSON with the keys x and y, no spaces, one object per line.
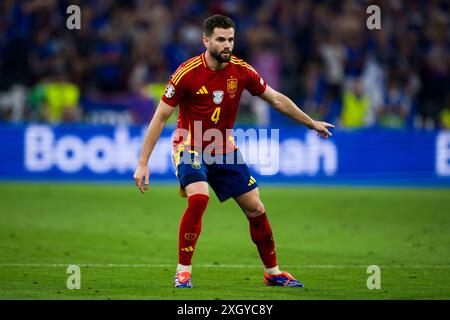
{"x":212,"y":62}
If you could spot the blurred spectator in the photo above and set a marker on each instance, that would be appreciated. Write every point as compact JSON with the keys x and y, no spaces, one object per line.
{"x":36,"y":103}
{"x":266,"y":59}
{"x":110,"y":61}
{"x":61,"y":101}
{"x":355,"y":106}
{"x":331,"y":106}
{"x":373,"y":79}
{"x":313,"y":93}
{"x":12,"y":104}
{"x":333,"y":55}
{"x":445,"y":115}
{"x":435,"y":73}
{"x":396,"y":106}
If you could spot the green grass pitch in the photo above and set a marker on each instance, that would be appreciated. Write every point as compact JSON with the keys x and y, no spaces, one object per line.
{"x":126,"y":243}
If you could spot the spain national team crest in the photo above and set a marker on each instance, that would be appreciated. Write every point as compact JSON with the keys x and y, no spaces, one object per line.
{"x":218,"y":96}
{"x":232,"y":85}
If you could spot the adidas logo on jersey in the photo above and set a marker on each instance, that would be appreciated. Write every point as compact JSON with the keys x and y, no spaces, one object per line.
{"x":202,"y":90}
{"x":251,"y":181}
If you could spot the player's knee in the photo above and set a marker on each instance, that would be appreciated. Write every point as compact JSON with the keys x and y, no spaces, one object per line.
{"x":256,"y":209}
{"x":199,"y":187}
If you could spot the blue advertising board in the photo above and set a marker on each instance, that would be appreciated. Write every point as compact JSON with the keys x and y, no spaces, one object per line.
{"x":38,"y":152}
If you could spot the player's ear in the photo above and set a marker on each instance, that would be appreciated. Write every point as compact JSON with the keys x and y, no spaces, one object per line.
{"x":205,"y":41}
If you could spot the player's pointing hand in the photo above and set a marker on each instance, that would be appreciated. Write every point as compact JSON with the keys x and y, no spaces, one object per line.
{"x":141,"y":177}
{"x":322,"y":129}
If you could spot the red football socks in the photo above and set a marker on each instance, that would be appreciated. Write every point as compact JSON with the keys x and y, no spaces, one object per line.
{"x":190,"y":227}
{"x":261,"y":234}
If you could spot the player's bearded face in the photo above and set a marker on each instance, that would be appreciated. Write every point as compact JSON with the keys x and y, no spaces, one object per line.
{"x":221,"y":56}
{"x":221,"y":44}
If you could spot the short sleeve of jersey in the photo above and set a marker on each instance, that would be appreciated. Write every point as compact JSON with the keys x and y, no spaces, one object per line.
{"x":174,"y":92}
{"x":255,"y":85}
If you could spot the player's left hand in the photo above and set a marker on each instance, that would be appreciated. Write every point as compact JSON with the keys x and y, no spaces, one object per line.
{"x":322,"y":129}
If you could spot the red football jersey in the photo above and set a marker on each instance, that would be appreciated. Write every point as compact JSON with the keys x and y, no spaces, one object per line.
{"x":210,"y":99}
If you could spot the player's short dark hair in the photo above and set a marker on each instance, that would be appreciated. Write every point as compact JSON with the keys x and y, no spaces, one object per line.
{"x":217,"y":21}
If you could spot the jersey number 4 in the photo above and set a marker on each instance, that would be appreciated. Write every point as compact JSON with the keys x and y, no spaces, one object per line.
{"x":215,"y":115}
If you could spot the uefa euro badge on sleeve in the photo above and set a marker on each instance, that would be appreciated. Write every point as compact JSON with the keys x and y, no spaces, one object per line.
{"x":218,"y":96}
{"x":170,"y":91}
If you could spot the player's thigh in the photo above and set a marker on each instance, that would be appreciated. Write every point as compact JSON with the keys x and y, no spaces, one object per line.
{"x":250,"y":203}
{"x":192,"y":174}
{"x":231,"y":179}
{"x":199,"y":187}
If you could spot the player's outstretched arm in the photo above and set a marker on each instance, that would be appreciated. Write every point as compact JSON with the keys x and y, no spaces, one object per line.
{"x":141,"y":175}
{"x":286,"y":106}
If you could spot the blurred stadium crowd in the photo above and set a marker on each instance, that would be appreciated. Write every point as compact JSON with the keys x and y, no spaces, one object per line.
{"x":320,"y":53}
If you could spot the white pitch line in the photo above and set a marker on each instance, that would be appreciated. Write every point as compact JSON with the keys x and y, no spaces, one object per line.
{"x":237,"y":266}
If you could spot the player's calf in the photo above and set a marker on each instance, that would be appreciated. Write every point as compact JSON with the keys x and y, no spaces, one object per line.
{"x":190,"y":227}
